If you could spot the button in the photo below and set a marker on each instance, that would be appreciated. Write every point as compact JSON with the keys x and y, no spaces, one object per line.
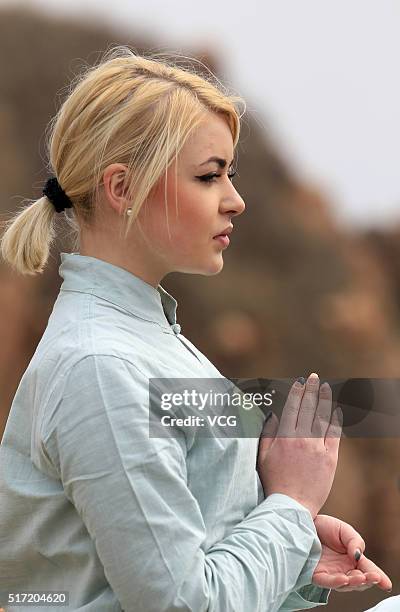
{"x":176,"y":328}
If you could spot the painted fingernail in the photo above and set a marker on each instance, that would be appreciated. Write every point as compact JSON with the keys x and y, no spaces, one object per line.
{"x":388,"y":590}
{"x":267,"y":418}
{"x":357,"y":555}
{"x":301,"y":380}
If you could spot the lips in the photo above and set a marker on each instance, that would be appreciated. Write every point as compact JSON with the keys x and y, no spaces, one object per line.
{"x":222,"y":239}
{"x":225,"y":232}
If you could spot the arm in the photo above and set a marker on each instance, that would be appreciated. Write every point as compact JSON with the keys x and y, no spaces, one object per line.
{"x":131,"y":493}
{"x":305,"y":594}
{"x":309,"y":595}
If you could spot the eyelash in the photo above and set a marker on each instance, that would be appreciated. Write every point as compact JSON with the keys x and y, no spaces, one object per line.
{"x":208,"y":178}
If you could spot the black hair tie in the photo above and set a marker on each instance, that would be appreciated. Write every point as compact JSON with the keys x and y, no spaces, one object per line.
{"x":57,"y":196}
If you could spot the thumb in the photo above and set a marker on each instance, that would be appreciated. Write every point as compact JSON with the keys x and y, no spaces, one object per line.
{"x":352,"y":541}
{"x":267,"y":436}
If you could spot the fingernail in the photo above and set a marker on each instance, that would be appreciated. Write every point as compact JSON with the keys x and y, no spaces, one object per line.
{"x":376,"y":582}
{"x":264,"y":433}
{"x":301,"y":380}
{"x":357,"y":555}
{"x":388,"y":590}
{"x":313,"y":376}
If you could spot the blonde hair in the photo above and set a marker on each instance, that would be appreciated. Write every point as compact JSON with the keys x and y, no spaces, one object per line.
{"x":127,"y":109}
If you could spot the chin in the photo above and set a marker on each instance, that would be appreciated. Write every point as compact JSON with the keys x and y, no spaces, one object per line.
{"x":214,"y":269}
{"x":211,"y":269}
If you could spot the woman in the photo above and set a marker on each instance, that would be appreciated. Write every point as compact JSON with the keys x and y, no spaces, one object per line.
{"x":141,"y":152}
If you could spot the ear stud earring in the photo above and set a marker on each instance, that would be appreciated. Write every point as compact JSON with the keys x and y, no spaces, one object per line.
{"x":129,"y":211}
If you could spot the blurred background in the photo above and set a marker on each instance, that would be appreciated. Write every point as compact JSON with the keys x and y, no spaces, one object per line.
{"x":311,"y":280}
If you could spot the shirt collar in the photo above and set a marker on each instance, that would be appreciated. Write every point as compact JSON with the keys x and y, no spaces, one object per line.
{"x":117,"y":285}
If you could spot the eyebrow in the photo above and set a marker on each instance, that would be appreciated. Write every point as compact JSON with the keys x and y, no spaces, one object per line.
{"x":221,"y":162}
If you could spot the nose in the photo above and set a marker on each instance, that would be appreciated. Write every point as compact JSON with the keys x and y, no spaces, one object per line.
{"x":234,"y":204}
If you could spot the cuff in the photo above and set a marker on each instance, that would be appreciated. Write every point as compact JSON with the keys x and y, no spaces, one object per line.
{"x":309,"y":596}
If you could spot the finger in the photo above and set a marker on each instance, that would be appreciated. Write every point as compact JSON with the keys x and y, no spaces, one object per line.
{"x":334,"y":432}
{"x":352,"y":541}
{"x":355,"y":585}
{"x":308,"y":406}
{"x":373,"y":577}
{"x":356,"y":578}
{"x":361,"y":581}
{"x":330,"y":581}
{"x":290,"y":412}
{"x":323,"y":412}
{"x":356,"y":573}
{"x":367,"y":566}
{"x":267,"y":437}
{"x":362,"y":587}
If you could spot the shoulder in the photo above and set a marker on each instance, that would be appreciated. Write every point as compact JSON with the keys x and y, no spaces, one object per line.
{"x":89,"y":380}
{"x":101,"y":368}
{"x":98,"y":395}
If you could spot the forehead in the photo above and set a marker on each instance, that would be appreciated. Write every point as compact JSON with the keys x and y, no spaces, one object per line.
{"x":212,"y":137}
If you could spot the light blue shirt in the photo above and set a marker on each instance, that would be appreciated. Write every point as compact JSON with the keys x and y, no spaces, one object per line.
{"x":91,"y":504}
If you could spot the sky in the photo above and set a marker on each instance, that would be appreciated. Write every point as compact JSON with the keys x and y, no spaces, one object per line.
{"x":321,"y":78}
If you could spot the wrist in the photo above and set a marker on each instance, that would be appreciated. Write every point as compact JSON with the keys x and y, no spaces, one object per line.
{"x":305,"y":503}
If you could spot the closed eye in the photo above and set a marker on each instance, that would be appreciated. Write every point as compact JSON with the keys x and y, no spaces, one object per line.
{"x":209,"y":178}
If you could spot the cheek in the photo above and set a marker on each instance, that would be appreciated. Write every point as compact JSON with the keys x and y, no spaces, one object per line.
{"x":189,"y":219}
{"x":192,"y":227}
{"x":194,"y":215}
{"x":184,"y":212}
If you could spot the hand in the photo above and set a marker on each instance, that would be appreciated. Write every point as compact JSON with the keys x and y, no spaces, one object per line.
{"x":338,"y":568}
{"x":298,"y":455}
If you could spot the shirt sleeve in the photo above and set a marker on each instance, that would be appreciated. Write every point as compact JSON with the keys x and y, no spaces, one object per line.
{"x":309,"y":596}
{"x":131,"y":492}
